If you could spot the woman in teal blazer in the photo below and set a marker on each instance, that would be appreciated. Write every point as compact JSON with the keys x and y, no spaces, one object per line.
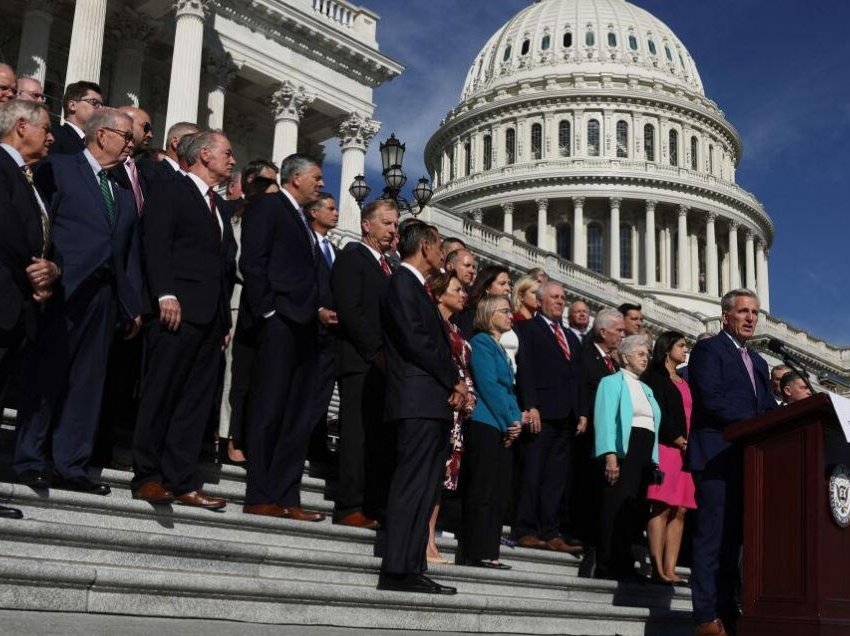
{"x":626,"y":419}
{"x":491,"y":429}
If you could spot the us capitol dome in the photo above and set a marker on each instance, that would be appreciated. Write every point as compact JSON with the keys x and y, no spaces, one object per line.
{"x":583,"y":132}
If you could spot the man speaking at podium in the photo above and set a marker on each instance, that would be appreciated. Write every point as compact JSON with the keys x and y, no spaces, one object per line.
{"x":730,"y":383}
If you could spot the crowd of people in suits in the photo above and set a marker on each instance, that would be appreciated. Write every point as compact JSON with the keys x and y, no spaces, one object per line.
{"x":117,"y":266}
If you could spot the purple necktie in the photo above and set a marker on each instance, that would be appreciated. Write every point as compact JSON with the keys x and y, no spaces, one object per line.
{"x":745,"y":355}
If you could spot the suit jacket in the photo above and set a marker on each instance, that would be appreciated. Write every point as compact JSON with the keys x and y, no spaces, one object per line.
{"x":420,"y":371}
{"x":122,"y":178}
{"x":494,"y":384}
{"x":593,"y":369}
{"x":722,"y":395}
{"x":20,"y":240}
{"x":673,"y":421}
{"x":66,"y":141}
{"x":151,"y":171}
{"x":546,"y":380}
{"x":186,"y":253}
{"x":358,"y":283}
{"x":83,"y":234}
{"x":614,"y":413}
{"x":279,"y":262}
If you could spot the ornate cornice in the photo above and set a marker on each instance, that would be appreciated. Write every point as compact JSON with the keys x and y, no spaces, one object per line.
{"x":194,"y":8}
{"x":356,"y":131}
{"x":290,"y":101}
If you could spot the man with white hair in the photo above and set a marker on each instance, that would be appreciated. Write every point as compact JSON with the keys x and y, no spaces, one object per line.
{"x":30,"y":89}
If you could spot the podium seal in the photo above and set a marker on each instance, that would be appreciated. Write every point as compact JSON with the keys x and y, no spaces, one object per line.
{"x":839,"y":495}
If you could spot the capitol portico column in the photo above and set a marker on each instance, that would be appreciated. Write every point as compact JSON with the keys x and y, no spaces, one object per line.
{"x":750,"y":255}
{"x":649,"y":243}
{"x":543,"y":224}
{"x":86,"y":48}
{"x":693,"y":240}
{"x":761,"y":272}
{"x":508,"y":223}
{"x":131,"y":35}
{"x":221,"y":70}
{"x":579,"y":238}
{"x":684,"y":260}
{"x":355,"y":133}
{"x":734,"y":266}
{"x":185,"y":85}
{"x":614,"y":239}
{"x":711,"y":285}
{"x":35,"y":40}
{"x":764,"y":294}
{"x":288,"y":105}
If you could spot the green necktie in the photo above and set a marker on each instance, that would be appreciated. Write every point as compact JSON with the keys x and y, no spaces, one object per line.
{"x":106,"y":191}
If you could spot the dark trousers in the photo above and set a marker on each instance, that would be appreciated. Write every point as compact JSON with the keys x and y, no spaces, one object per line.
{"x":546,"y":460}
{"x":365,"y":446}
{"x":421,"y":450}
{"x":485,"y":477}
{"x":178,"y":391}
{"x":244,"y":354}
{"x":619,"y":512}
{"x":585,"y":492}
{"x":325,"y":378}
{"x":11,"y":342}
{"x":65,"y":373}
{"x":120,"y":395}
{"x":280,"y":412}
{"x":717,"y":538}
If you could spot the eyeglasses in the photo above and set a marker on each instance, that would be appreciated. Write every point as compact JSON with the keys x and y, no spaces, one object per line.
{"x":94,"y":103}
{"x":147,"y":127}
{"x":126,"y":134}
{"x":7,"y":89}
{"x":506,"y":311}
{"x":39,"y":97}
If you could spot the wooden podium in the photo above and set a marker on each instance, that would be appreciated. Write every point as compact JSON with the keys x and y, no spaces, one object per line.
{"x":796,"y":556}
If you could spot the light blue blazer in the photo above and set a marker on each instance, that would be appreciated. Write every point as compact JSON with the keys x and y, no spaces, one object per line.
{"x":494,"y":384}
{"x":613,"y":413}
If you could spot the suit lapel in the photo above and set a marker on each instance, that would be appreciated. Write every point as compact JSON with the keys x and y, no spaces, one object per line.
{"x":204,"y":208}
{"x":303,"y":229}
{"x":91,"y":182}
{"x":366,"y":253}
{"x":733,"y":351}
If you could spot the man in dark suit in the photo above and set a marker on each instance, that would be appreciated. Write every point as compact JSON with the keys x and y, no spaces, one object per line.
{"x":729,"y":383}
{"x":279,"y":265}
{"x":548,"y":363}
{"x":423,"y":386}
{"x":94,"y":229}
{"x":187,"y":241}
{"x":79,"y":103}
{"x":597,"y":362}
{"x":359,"y":279}
{"x":170,"y":166}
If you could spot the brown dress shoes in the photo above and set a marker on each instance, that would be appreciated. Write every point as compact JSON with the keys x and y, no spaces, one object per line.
{"x":199,"y":500}
{"x":559,"y":545}
{"x":299,"y":514}
{"x":531,"y":541}
{"x":274,"y":510}
{"x":154,"y":492}
{"x":711,"y":628}
{"x":357,"y":520}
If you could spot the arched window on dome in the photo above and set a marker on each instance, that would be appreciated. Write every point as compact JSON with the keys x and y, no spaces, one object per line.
{"x":545,"y":42}
{"x":536,"y":142}
{"x":488,"y":152}
{"x":510,"y":146}
{"x":564,"y":241}
{"x":710,"y":159}
{"x":526,"y":47}
{"x":668,"y":53}
{"x":622,"y":139}
{"x":568,"y":39}
{"x":649,"y":142}
{"x":594,"y":247}
{"x":673,"y":145}
{"x":507,"y":54}
{"x":593,"y":138}
{"x":694,"y":153}
{"x":633,"y":43}
{"x":531,"y":234}
{"x":589,"y":38}
{"x":467,"y":158}
{"x":651,"y":46}
{"x":612,"y":39}
{"x":564,"y":138}
{"x":625,"y":250}
{"x":452,"y":173}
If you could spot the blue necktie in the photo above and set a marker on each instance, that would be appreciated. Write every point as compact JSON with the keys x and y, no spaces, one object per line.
{"x":326,"y":250}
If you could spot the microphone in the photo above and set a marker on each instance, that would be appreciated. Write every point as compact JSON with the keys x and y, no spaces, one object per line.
{"x":778,"y":347}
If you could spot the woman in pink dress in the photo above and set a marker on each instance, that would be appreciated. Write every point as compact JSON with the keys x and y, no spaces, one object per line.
{"x":670,"y":499}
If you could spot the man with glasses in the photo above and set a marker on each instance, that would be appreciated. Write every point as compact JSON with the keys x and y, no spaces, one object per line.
{"x":7,"y":83}
{"x":94,"y":229}
{"x":79,"y":103}
{"x":30,"y":89}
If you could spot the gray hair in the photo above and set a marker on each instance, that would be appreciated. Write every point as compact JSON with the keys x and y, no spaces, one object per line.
{"x":630,"y":344}
{"x":200,"y":140}
{"x":543,"y":287}
{"x":180,"y":130}
{"x":105,"y":118}
{"x":16,"y":109}
{"x":294,"y":164}
{"x":728,"y":300}
{"x":604,"y":319}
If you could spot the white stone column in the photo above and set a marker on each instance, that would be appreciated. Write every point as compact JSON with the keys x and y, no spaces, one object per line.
{"x":288,"y":105}
{"x":220,"y":70}
{"x":749,"y":252}
{"x":684,"y":261}
{"x":508,"y":223}
{"x":725,"y":273}
{"x":35,"y":40}
{"x":668,"y":258}
{"x":694,"y":242}
{"x":761,"y":271}
{"x":649,"y":244}
{"x":579,"y":238}
{"x":711,"y":256}
{"x":355,"y":133}
{"x":185,"y":85}
{"x":635,"y":238}
{"x":86,"y":49}
{"x":734,"y":266}
{"x":543,"y":224}
{"x":764,"y":295}
{"x":131,"y":34}
{"x":614,"y":239}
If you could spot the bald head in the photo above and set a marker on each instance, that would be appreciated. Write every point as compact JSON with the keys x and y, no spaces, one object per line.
{"x":7,"y":83}
{"x":142,"y":127}
{"x":30,"y":89}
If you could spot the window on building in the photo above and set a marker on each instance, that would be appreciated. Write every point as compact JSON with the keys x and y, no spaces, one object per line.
{"x":452,"y":173}
{"x":568,"y":39}
{"x":593,"y":138}
{"x":526,"y":47}
{"x":633,"y":43}
{"x":651,"y":46}
{"x":507,"y":54}
{"x":673,"y":143}
{"x":711,"y":159}
{"x":488,"y":152}
{"x":536,"y":142}
{"x":467,"y":158}
{"x":589,"y":38}
{"x":510,"y":146}
{"x":564,"y":241}
{"x":625,"y":251}
{"x":649,"y":142}
{"x":594,"y":247}
{"x":544,"y":43}
{"x":622,"y":139}
{"x":612,"y":39}
{"x":564,"y":139}
{"x":531,"y":234}
{"x":668,"y":53}
{"x":694,"y":153}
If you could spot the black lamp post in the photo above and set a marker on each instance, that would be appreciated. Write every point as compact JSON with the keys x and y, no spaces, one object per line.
{"x":392,"y":154}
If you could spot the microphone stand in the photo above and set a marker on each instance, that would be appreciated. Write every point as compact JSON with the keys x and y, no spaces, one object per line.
{"x":797,"y":366}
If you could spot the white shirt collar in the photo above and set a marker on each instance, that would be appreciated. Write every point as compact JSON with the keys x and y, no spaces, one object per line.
{"x":14,"y":154}
{"x":95,"y":166}
{"x":738,"y":345}
{"x":548,"y":322}
{"x":173,"y":164}
{"x":415,"y":271}
{"x":292,"y":200}
{"x":203,"y":186}
{"x":378,"y":256}
{"x":601,"y":350}
{"x":76,"y":129}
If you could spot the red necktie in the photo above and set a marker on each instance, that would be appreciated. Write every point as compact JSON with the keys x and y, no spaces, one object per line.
{"x":562,"y":340}
{"x":386,"y":266}
{"x":609,"y":363}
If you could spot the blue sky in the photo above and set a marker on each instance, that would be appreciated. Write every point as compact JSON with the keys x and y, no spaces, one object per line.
{"x":778,"y":68}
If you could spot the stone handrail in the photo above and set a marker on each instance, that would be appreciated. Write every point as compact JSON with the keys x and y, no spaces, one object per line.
{"x":338,"y":11}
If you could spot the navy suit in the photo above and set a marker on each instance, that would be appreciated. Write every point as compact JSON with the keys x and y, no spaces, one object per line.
{"x":279,"y":264}
{"x":66,"y":140}
{"x":549,"y":382}
{"x":722,"y":395}
{"x":100,"y":286}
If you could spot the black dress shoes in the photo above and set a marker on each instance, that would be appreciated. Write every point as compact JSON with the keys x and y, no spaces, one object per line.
{"x":35,"y":479}
{"x":587,"y":568}
{"x":417,"y":583}
{"x":10,"y":513}
{"x":481,"y":563}
{"x":83,"y":484}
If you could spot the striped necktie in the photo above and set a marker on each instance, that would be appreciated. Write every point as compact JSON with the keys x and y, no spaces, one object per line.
{"x":562,"y":340}
{"x":106,"y":192}
{"x":45,"y":219}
